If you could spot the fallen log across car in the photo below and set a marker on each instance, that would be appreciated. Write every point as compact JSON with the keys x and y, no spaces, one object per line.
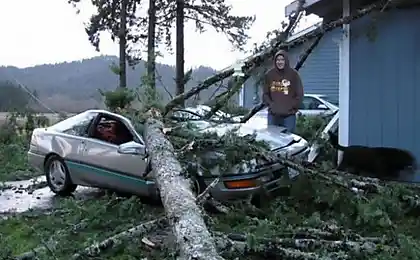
{"x":192,"y":236}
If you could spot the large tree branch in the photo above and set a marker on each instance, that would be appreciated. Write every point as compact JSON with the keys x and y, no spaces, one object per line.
{"x":118,"y":239}
{"x":205,"y":85}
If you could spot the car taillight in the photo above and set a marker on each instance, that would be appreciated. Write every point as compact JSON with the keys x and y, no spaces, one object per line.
{"x":241,"y":184}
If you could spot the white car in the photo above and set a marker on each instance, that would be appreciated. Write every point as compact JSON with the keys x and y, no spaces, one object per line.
{"x":312,"y":105}
{"x":317,"y":104}
{"x":102,"y":149}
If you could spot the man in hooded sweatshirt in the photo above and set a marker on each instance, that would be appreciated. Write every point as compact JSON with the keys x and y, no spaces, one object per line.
{"x":283,"y":92}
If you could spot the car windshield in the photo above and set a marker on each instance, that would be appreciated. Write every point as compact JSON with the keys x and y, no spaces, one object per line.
{"x":330,"y":99}
{"x":74,"y":121}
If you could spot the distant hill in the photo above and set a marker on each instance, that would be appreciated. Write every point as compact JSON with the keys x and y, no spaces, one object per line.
{"x":73,"y":86}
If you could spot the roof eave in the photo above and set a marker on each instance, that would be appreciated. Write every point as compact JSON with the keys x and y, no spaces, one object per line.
{"x":293,"y":6}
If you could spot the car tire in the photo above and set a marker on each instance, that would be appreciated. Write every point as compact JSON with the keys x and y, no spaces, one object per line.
{"x":58,"y":176}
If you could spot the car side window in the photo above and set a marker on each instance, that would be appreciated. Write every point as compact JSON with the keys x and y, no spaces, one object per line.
{"x":112,"y":131}
{"x":77,"y":125}
{"x":310,"y":103}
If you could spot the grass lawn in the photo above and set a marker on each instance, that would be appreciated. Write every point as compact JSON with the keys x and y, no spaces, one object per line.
{"x":74,"y":225}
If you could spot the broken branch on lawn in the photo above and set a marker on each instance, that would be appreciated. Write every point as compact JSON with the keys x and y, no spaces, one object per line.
{"x":354,"y":183}
{"x":295,"y":246}
{"x":118,"y":239}
{"x":192,"y":236}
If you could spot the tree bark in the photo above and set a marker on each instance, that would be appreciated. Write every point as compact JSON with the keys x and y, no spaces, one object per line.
{"x":151,"y":59}
{"x":123,"y":44}
{"x":180,"y":88}
{"x":192,"y":235}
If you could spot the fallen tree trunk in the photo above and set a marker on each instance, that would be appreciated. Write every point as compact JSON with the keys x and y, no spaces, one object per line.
{"x":191,"y":234}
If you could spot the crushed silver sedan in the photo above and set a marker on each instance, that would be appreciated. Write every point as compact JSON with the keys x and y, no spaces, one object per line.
{"x":101,"y":149}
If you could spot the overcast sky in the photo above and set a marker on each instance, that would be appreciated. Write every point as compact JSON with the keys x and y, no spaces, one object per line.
{"x":50,"y":31}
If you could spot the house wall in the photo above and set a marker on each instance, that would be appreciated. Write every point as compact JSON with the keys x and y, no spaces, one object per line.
{"x":385,"y":81}
{"x":320,"y":72}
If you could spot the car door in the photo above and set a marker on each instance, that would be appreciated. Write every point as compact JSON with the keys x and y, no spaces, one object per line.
{"x":69,"y":142}
{"x":110,"y":169}
{"x":312,"y":106}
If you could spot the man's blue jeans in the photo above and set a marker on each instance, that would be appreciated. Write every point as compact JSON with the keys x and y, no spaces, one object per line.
{"x":288,"y":122}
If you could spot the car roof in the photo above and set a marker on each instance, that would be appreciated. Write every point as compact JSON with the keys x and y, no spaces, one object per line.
{"x":104,"y":112}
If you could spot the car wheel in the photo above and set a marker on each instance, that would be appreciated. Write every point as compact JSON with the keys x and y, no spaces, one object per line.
{"x":58,"y":176}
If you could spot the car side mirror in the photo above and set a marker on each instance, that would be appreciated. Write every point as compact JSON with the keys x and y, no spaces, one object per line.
{"x":322,"y":106}
{"x":132,"y":148}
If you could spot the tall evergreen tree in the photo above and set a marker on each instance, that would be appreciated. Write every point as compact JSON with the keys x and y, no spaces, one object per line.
{"x":12,"y":97}
{"x":151,"y":44}
{"x":120,"y":19}
{"x":215,"y":14}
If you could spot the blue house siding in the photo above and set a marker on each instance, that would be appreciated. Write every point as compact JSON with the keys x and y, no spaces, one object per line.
{"x":385,"y":82}
{"x":320,"y":72}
